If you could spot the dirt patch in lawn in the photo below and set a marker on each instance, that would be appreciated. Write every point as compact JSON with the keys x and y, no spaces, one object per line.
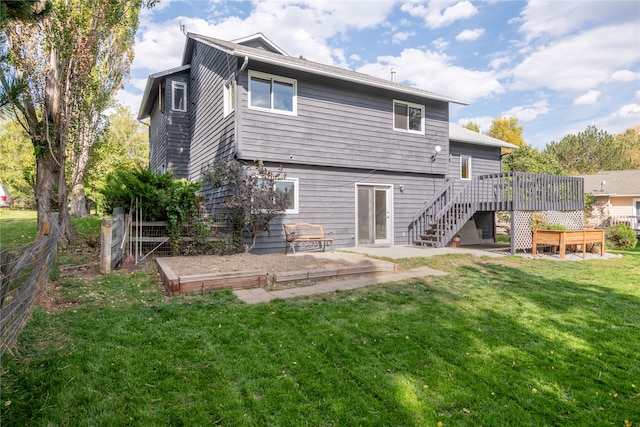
{"x":270,"y":263}
{"x":273,"y":271}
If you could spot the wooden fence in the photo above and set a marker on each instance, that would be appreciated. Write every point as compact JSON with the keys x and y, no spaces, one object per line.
{"x":23,"y":281}
{"x":113,"y":240}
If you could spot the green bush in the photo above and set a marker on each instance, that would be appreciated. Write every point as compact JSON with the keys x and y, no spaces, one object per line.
{"x":160,"y":196}
{"x":622,"y":236}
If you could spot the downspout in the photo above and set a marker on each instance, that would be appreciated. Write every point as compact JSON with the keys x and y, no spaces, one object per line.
{"x":244,"y":65}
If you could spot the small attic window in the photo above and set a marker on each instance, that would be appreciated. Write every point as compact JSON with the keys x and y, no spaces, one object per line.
{"x":179,"y":96}
{"x":161,"y":97}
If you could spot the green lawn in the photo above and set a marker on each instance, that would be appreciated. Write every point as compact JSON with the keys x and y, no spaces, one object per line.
{"x":497,"y":342}
{"x":503,"y":341}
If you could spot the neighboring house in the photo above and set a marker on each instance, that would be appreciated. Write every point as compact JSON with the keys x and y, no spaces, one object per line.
{"x":372,"y":160}
{"x":617,"y":196}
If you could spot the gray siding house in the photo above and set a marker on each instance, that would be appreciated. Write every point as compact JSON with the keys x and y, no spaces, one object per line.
{"x":364,"y":156}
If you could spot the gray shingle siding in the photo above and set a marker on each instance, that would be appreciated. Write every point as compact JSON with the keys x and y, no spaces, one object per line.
{"x":212,"y":135}
{"x":177,"y":129}
{"x":157,"y":140}
{"x":327,"y":196}
{"x":341,"y":125}
{"x":484,"y":160}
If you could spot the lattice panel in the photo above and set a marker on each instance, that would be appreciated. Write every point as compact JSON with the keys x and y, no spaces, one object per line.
{"x":521,"y":231}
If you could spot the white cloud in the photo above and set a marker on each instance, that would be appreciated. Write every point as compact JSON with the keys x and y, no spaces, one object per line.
{"x":625,"y":76}
{"x":588,"y":98}
{"x":129,"y":99}
{"x":440,"y":44}
{"x":397,"y":38}
{"x":527,"y":113}
{"x":581,"y":62}
{"x":630,"y":110}
{"x":434,"y":72}
{"x":438,"y":14}
{"x":483,"y":121}
{"x":499,"y":62}
{"x":470,"y":35}
{"x":553,"y":19}
{"x":300,"y":28}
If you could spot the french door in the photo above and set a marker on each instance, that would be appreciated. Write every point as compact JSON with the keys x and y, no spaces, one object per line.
{"x":374,"y":211}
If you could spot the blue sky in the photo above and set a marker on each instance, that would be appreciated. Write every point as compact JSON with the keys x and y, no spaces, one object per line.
{"x":558,"y":66}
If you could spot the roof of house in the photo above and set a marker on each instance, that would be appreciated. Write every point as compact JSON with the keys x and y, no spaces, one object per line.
{"x":300,"y":64}
{"x":613,"y":183}
{"x":461,"y":134}
{"x":153,"y":81}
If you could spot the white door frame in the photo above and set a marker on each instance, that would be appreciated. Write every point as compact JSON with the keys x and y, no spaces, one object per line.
{"x":389,"y":223}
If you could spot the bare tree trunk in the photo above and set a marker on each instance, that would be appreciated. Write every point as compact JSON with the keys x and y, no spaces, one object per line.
{"x":78,"y":206}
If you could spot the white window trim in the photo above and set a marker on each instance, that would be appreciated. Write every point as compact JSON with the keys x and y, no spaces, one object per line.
{"x":462,"y":157}
{"x":174,"y":86}
{"x":408,"y":104}
{"x":296,"y":200}
{"x":229,"y":102}
{"x":273,"y":78}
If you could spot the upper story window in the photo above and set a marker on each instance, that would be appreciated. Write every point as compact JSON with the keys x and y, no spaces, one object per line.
{"x":408,"y":117}
{"x":465,"y":167}
{"x":179,"y":96}
{"x":161,"y":89}
{"x":272,"y":93}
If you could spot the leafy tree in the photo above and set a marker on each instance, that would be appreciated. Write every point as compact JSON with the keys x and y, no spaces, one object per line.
{"x":50,"y":65}
{"x":529,"y":159}
{"x":16,"y":163}
{"x":590,"y":151}
{"x":507,"y":129}
{"x":124,"y":145}
{"x":472,"y":126}
{"x":630,"y":142}
{"x":249,"y":197}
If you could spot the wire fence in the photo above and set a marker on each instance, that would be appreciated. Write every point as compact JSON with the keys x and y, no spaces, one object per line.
{"x":23,"y":282}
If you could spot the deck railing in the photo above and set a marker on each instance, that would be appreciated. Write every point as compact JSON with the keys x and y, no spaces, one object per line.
{"x":449,"y":209}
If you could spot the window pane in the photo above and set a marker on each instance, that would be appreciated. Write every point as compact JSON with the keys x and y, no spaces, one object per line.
{"x":283,"y":96}
{"x":178,"y":97}
{"x":415,"y":118}
{"x":465,"y":167}
{"x":287,"y":188}
{"x":400,"y":120}
{"x":260,"y":93}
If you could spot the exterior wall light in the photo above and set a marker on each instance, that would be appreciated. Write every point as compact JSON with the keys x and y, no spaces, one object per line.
{"x":436,"y":150}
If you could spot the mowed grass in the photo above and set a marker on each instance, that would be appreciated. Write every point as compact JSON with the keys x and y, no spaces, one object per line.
{"x":497,"y":342}
{"x":18,"y":228}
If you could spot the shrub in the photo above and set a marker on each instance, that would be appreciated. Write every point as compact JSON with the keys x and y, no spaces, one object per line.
{"x":160,"y":196}
{"x":251,"y":199}
{"x":622,"y":236}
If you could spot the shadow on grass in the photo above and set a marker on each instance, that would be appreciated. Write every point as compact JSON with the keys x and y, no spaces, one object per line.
{"x":493,"y":343}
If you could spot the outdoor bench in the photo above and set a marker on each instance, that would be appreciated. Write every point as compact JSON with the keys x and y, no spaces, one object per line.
{"x":306,"y":235}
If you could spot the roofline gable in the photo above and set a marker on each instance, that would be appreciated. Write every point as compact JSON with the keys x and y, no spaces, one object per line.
{"x":264,"y":39}
{"x":462,"y":134}
{"x":145,"y":111}
{"x":309,"y":67}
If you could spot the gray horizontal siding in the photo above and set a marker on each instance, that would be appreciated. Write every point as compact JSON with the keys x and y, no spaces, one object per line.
{"x":178,"y":141}
{"x":328,"y":197}
{"x":484,"y":160}
{"x":343,"y":126}
{"x":157,"y":140}
{"x":212,"y":135}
